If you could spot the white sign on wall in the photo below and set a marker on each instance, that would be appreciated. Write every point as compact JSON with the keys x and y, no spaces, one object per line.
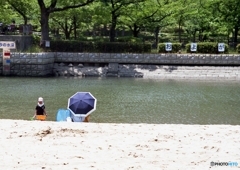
{"x":221,"y":47}
{"x":47,"y":43}
{"x":7,"y":44}
{"x":193,"y":47}
{"x":168,"y":46}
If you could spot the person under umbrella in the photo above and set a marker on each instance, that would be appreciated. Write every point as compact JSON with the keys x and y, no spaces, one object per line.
{"x":80,"y":119}
{"x":40,"y":112}
{"x":81,"y":105}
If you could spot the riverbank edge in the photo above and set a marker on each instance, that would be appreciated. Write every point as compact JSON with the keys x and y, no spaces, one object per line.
{"x":119,"y":65}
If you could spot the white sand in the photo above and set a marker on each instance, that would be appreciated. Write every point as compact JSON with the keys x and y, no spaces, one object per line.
{"x":63,"y":145}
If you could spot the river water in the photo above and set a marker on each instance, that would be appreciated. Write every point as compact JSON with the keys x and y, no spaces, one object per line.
{"x":127,"y":100}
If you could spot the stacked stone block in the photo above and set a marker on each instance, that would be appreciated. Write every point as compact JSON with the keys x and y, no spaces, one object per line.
{"x":124,"y":65}
{"x":31,"y":64}
{"x":190,"y":59}
{"x":179,"y":71}
{"x":62,"y":69}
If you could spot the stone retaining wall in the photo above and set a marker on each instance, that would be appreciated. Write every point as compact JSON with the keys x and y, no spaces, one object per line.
{"x":30,"y":64}
{"x":190,"y":59}
{"x":125,"y":65}
{"x":182,"y":72}
{"x":152,"y":71}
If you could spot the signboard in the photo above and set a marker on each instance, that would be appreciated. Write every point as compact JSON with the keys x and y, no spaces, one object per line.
{"x":221,"y":47}
{"x":6,"y":61}
{"x":168,"y":46}
{"x":47,"y":43}
{"x":193,"y":47}
{"x":8,"y":44}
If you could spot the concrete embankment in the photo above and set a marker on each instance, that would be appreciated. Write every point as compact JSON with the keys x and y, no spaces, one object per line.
{"x":153,"y":71}
{"x":200,"y":66}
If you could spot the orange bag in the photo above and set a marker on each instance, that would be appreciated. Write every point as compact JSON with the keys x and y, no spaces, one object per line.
{"x":41,"y":117}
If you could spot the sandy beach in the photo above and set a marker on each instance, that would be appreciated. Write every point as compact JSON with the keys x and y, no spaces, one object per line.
{"x":101,"y":146}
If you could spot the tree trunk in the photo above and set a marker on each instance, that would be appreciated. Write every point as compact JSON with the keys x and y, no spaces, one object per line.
{"x":75,"y":27}
{"x":66,"y":31}
{"x":113,"y":28}
{"x":135,"y":30}
{"x":194,"y":35}
{"x":123,"y":32}
{"x":235,"y":40}
{"x":67,"y":34}
{"x":228,"y":36}
{"x":157,"y":30}
{"x":200,"y":35}
{"x":25,"y":20}
{"x":104,"y":31}
{"x":45,"y":12}
{"x":44,"y":26}
{"x":179,"y":31}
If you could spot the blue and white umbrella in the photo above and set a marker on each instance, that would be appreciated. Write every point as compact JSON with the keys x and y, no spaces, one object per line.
{"x":82,"y":104}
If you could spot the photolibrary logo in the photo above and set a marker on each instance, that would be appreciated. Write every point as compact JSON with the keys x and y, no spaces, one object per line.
{"x":230,"y":163}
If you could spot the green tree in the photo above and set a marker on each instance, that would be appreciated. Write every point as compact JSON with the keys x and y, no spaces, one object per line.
{"x":49,"y":7}
{"x":25,"y":8}
{"x":137,"y":16}
{"x":185,"y":9}
{"x":66,"y":22}
{"x":116,"y":9}
{"x":200,"y":21}
{"x":6,"y":13}
{"x":230,"y":14}
{"x":101,"y":17}
{"x":7,"y":16}
{"x":162,"y":18}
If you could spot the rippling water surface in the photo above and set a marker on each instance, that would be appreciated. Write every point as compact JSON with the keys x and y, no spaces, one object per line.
{"x":127,"y":100}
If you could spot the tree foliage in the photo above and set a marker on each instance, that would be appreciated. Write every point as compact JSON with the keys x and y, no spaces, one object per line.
{"x":196,"y":20}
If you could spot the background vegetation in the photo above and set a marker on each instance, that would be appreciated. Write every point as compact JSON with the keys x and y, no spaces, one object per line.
{"x":131,"y":21}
